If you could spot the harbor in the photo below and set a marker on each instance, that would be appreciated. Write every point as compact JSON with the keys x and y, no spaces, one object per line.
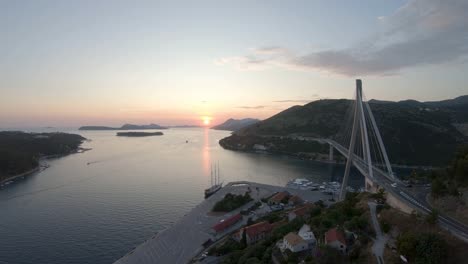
{"x":193,"y":233}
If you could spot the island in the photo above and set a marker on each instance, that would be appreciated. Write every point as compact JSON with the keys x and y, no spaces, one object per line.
{"x":20,"y":152}
{"x":138,"y":134}
{"x":124,"y":127}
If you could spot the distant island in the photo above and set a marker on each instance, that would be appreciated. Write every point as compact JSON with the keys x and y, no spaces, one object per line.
{"x":21,"y":152}
{"x":236,"y":124}
{"x":138,"y":134}
{"x":124,"y":127}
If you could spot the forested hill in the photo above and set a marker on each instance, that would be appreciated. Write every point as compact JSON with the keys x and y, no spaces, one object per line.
{"x":415,"y":133}
{"x":20,"y":152}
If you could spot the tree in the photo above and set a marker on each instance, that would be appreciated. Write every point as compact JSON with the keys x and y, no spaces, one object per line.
{"x":438,"y":188}
{"x":422,"y":248}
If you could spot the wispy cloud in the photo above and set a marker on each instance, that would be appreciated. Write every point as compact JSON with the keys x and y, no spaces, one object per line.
{"x":252,"y":107}
{"x":422,"y":32}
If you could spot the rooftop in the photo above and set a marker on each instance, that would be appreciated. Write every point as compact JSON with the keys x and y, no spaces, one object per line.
{"x":303,"y":209}
{"x":262,"y":227}
{"x":293,"y":239}
{"x":277,"y":198}
{"x":334,"y":235}
{"x":225,"y":223}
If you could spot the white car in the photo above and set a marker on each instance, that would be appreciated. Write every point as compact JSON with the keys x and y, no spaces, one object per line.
{"x":394,"y":185}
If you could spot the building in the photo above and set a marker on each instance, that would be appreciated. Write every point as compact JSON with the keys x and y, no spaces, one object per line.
{"x":294,"y":242}
{"x":295,"y":200}
{"x":335,"y":239}
{"x":302,"y":212}
{"x":307,"y":235}
{"x":257,"y":232}
{"x":259,"y":147}
{"x":278,"y":198}
{"x":226,"y":223}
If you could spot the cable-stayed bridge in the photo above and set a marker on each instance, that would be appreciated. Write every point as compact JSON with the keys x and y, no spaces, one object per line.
{"x":360,"y":142}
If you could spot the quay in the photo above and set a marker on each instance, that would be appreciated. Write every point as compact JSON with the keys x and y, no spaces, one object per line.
{"x":186,"y":238}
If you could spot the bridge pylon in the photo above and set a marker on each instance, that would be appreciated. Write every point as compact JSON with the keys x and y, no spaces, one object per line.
{"x":360,"y":128}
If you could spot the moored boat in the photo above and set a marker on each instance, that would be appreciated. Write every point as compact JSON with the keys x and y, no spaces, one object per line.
{"x":215,"y":184}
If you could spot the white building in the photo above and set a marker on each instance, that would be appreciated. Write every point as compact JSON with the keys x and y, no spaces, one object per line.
{"x":308,"y":236}
{"x":294,"y":242}
{"x":259,"y":147}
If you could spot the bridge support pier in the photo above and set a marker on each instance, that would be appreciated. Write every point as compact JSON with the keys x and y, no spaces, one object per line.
{"x":330,"y":153}
{"x":371,"y":186}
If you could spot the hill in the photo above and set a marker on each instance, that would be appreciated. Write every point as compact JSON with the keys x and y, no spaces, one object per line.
{"x":124,"y":127}
{"x":20,"y":152}
{"x":235,"y":124}
{"x":414,"y":133}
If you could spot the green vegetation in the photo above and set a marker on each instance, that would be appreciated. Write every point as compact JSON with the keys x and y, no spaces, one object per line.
{"x":421,"y":241}
{"x":345,"y":214}
{"x":20,"y":152}
{"x":280,"y":145}
{"x":231,"y":202}
{"x":447,"y":181}
{"x":422,"y":247}
{"x":349,"y":214}
{"x":405,"y":126}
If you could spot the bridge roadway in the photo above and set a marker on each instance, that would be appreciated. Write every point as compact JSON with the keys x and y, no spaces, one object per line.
{"x":381,"y":178}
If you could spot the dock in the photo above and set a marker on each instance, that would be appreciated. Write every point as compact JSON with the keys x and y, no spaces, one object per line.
{"x":185,"y":239}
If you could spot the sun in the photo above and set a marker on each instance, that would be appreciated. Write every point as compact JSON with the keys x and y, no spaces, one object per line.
{"x":206,"y":120}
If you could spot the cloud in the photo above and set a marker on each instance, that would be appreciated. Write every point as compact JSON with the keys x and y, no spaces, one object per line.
{"x":252,"y":107}
{"x":422,"y":32}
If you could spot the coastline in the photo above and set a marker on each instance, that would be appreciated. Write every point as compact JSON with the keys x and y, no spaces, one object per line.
{"x":325,"y":161}
{"x":41,"y":166}
{"x":23,"y":174}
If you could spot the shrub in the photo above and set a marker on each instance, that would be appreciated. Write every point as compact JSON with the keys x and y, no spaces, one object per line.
{"x":231,"y":202}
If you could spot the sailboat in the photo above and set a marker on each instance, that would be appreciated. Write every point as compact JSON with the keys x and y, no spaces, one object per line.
{"x":215,"y":184}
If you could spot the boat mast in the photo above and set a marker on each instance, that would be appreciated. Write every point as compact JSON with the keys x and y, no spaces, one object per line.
{"x":218,"y":172}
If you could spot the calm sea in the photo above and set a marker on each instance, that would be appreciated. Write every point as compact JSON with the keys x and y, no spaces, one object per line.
{"x":94,"y":207}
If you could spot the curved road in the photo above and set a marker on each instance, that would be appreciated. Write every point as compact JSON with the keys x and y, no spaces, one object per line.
{"x":382,"y":179}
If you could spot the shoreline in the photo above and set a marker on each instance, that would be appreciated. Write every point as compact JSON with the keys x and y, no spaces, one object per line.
{"x":325,"y":161}
{"x":41,"y":166}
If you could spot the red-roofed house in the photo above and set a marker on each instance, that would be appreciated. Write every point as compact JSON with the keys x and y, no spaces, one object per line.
{"x":335,"y":239}
{"x":278,"y":198}
{"x":256,"y":232}
{"x":302,"y":212}
{"x":295,"y":200}
{"x":226,"y":223}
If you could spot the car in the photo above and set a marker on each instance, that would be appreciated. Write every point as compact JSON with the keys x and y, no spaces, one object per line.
{"x":394,"y":185}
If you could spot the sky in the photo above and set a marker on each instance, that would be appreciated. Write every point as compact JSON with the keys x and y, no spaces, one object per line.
{"x":73,"y":63}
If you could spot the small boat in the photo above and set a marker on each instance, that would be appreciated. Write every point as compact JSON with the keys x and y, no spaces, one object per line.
{"x":215,"y":184}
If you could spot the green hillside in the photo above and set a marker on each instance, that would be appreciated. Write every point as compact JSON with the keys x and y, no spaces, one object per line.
{"x":414,"y":133}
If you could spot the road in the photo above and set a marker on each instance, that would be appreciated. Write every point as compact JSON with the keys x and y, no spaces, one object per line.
{"x":380,"y":239}
{"x":381,"y":178}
